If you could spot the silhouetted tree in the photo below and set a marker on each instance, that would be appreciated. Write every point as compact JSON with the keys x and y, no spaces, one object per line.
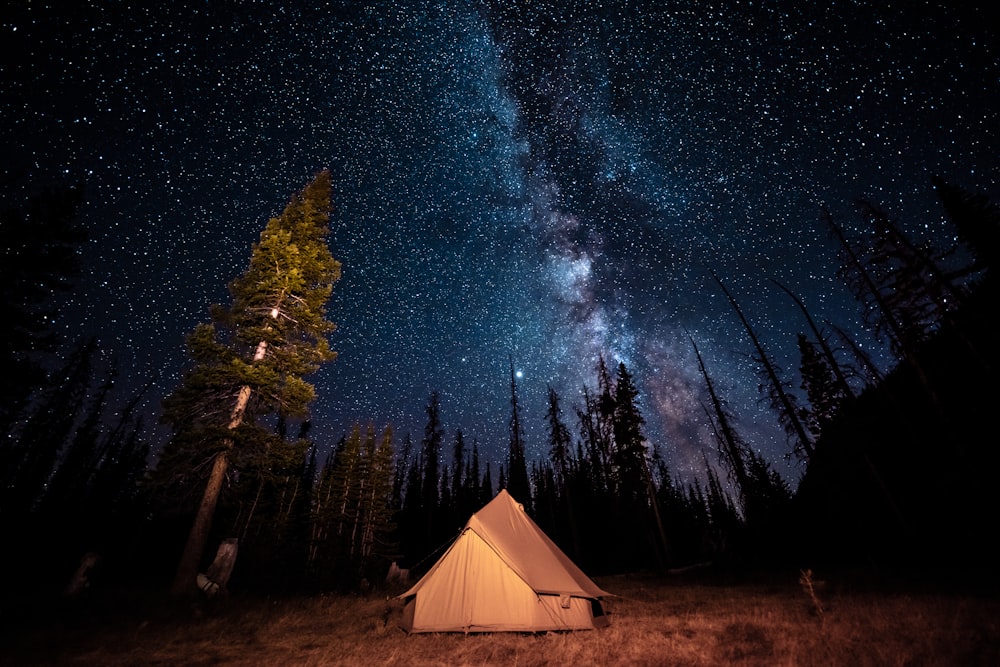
{"x":546,"y":500}
{"x":820,"y":384}
{"x":298,"y":519}
{"x":790,"y":415}
{"x":723,"y":526}
{"x":323,"y":497}
{"x":353,"y":524}
{"x":733,"y":451}
{"x":518,"y":484}
{"x":487,"y":489}
{"x":559,"y":438}
{"x":339,"y":514}
{"x":40,"y":241}
{"x":839,"y":373}
{"x":401,"y":472}
{"x":376,"y":545}
{"x":560,"y":454}
{"x":592,"y":461}
{"x":636,"y":491}
{"x":629,"y":443}
{"x":864,"y":366}
{"x":875,"y":310}
{"x":414,"y":542}
{"x":271,"y":522}
{"x":69,"y":485}
{"x":914,"y":288}
{"x":459,"y":501}
{"x":472,"y":484}
{"x":603,"y":416}
{"x":976,"y":219}
{"x":446,"y":509}
{"x":431,"y":467}
{"x":29,"y":461}
{"x":122,"y":461}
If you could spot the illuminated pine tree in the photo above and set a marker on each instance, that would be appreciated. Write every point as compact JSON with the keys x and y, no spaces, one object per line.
{"x":376,"y":544}
{"x":250,"y":362}
{"x":350,"y":471}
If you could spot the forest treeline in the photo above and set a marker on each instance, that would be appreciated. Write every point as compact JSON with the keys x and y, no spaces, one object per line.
{"x":897,"y":462}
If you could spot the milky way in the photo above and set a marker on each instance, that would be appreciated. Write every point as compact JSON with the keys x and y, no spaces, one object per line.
{"x":541,"y":184}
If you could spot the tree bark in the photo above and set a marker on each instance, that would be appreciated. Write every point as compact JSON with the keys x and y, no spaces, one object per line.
{"x":186,"y":579}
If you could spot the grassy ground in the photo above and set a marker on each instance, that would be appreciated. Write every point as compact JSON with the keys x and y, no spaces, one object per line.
{"x":653,"y":622}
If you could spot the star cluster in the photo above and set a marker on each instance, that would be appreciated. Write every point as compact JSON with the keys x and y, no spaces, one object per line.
{"x":539,"y":183}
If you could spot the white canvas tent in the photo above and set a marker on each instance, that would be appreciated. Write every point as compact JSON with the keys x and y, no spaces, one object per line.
{"x":503,"y":574}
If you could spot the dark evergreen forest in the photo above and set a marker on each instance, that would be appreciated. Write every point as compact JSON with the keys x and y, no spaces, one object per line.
{"x":898,"y":465}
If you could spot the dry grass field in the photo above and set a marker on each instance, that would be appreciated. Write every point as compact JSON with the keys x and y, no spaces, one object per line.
{"x":653,"y":622}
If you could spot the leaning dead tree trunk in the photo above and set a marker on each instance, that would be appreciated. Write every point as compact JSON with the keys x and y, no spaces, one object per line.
{"x":895,"y":330}
{"x":871,"y":374}
{"x":725,"y":434}
{"x":824,"y":345}
{"x":784,"y":401}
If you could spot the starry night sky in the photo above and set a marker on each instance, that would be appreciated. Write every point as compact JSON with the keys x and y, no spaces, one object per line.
{"x":538,"y":181}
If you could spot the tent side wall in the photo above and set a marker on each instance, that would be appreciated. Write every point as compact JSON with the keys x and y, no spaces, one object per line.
{"x":475,"y":591}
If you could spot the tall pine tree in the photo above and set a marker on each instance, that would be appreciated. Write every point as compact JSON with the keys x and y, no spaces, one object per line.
{"x":251,"y":360}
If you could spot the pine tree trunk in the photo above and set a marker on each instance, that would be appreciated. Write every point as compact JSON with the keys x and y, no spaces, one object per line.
{"x":186,"y":578}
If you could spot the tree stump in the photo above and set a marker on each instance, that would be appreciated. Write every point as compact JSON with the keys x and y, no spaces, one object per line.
{"x":215,"y":579}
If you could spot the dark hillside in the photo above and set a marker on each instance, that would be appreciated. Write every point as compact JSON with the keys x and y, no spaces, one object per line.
{"x":906,"y":476}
